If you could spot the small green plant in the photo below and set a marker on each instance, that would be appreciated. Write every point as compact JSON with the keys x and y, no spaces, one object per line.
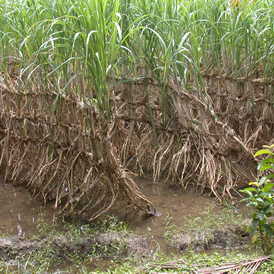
{"x":260,"y":197}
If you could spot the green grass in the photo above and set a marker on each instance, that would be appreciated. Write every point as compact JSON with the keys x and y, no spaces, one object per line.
{"x":191,"y":263}
{"x":185,"y":263}
{"x":49,"y":257}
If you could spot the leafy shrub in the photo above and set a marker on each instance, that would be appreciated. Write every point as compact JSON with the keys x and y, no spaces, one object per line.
{"x":260,"y":197}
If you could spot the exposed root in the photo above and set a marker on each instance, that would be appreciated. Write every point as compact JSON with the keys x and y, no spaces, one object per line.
{"x":207,"y":139}
{"x":63,"y":154}
{"x":69,"y":152}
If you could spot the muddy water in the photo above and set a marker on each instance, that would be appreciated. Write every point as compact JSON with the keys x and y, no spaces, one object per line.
{"x":20,"y":214}
{"x":172,"y":205}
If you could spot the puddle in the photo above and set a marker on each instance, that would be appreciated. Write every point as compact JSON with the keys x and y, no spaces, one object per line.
{"x":19,"y":213}
{"x":172,"y":204}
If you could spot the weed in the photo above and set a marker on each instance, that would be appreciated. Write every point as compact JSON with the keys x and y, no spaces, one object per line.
{"x":266,"y":267}
{"x":260,"y":198}
{"x":76,"y":244}
{"x":187,"y":263}
{"x":209,"y":229}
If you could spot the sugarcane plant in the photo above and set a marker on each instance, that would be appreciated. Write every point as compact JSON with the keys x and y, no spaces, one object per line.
{"x":261,"y":199}
{"x":151,"y":83}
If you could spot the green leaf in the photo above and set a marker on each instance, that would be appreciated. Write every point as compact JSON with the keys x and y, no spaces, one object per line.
{"x":249,"y":193}
{"x":260,"y":216}
{"x":267,"y":209}
{"x":270,"y":176}
{"x":263,"y":180}
{"x":253,"y":226}
{"x":266,"y":166}
{"x":253,"y":203}
{"x":268,"y":229}
{"x":250,"y":189}
{"x":254,"y":183}
{"x":260,"y":200}
{"x":266,"y":160}
{"x":269,"y":198}
{"x":267,"y":187}
{"x":263,"y":151}
{"x":269,"y":146}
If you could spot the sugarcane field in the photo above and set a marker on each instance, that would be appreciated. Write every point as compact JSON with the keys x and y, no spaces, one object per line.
{"x":136,"y":136}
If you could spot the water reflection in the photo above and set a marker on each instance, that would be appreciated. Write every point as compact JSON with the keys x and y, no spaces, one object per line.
{"x":20,"y":231}
{"x":19,"y":213}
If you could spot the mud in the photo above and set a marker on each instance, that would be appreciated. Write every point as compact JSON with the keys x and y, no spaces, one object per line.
{"x":228,"y":237}
{"x":118,"y":244}
{"x":63,"y":248}
{"x":20,"y":213}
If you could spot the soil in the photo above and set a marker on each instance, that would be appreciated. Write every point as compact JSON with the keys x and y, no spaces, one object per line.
{"x":227,"y":237}
{"x":112,"y":244}
{"x":109,"y":244}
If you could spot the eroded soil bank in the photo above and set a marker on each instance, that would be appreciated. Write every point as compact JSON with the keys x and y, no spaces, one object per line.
{"x":116,"y":244}
{"x":64,"y":247}
{"x":88,"y":248}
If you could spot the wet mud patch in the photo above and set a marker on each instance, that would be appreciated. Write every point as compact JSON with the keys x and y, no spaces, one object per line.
{"x":118,"y":244}
{"x":65,"y":248}
{"x":227,"y":237}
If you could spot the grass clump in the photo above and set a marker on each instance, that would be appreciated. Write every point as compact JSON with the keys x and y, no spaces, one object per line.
{"x":210,"y":230}
{"x":77,"y":246}
{"x":186,"y":263}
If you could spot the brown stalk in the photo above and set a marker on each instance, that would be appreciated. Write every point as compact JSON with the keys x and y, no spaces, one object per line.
{"x":61,"y":161}
{"x":74,"y":155}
